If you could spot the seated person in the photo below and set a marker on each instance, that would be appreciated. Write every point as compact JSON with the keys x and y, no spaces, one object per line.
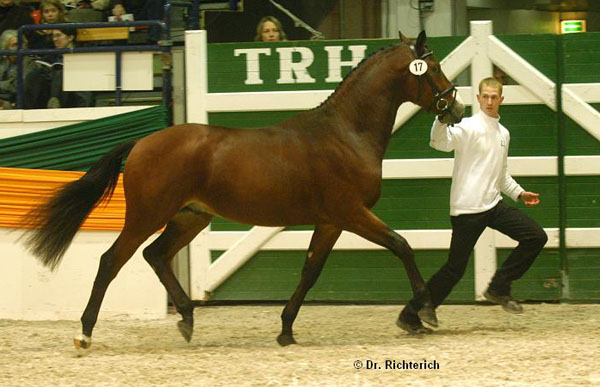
{"x":98,"y":5}
{"x":141,"y":10}
{"x":53,"y":11}
{"x":13,"y":15}
{"x":43,"y":86}
{"x":269,"y":30}
{"x":85,"y":11}
{"x":8,"y":69}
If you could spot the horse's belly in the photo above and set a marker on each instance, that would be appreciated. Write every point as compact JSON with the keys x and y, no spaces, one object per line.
{"x":264,"y":213}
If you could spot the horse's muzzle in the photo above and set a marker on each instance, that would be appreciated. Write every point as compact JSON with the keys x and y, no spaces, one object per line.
{"x":455,"y":112}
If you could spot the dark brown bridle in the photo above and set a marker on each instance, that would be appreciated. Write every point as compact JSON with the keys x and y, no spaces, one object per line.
{"x":440,"y":103}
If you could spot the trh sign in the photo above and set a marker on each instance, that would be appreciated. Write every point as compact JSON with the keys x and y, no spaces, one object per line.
{"x":297,"y":70}
{"x":300,"y":65}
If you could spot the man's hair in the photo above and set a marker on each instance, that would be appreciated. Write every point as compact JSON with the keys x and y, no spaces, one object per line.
{"x":490,"y":82}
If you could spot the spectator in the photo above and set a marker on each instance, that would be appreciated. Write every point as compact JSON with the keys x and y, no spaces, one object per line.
{"x":8,"y":69}
{"x":141,"y":10}
{"x":53,"y":12}
{"x":98,"y":5}
{"x":501,"y":76}
{"x":13,"y":15}
{"x":269,"y":30}
{"x":84,"y":11}
{"x":43,"y":86}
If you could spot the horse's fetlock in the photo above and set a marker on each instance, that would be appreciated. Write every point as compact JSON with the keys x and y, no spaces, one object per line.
{"x":186,"y":310}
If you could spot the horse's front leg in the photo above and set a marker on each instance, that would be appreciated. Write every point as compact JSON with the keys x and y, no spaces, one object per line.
{"x":321,"y":244}
{"x":370,"y":227}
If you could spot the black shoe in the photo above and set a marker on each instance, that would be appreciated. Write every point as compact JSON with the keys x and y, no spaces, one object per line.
{"x":508,"y":303}
{"x":410,"y":322}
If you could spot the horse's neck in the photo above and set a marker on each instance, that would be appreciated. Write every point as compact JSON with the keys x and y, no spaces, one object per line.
{"x":367,"y":104}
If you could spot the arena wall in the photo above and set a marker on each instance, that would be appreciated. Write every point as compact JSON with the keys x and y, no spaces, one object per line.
{"x":31,"y":292}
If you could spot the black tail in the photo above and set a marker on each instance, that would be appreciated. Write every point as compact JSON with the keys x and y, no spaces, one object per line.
{"x":56,"y":222}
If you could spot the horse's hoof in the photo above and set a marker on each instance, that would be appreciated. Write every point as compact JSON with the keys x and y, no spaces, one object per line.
{"x":413,"y":328}
{"x":83,"y":344}
{"x":285,"y":340}
{"x":186,"y":330}
{"x":427,"y":315}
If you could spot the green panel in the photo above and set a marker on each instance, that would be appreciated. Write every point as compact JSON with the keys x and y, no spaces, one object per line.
{"x":582,"y":58}
{"x":75,"y":147}
{"x":347,"y":276}
{"x":415,"y":204}
{"x":532,"y":129}
{"x":411,"y":140}
{"x":541,"y":281}
{"x":584,"y":274}
{"x":227,"y":71}
{"x":539,"y":50}
{"x":221,"y":224}
{"x":579,"y":141}
{"x":546,"y":213}
{"x":583,"y":202}
{"x":249,"y":119}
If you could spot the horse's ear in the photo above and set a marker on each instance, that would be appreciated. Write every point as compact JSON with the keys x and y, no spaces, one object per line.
{"x":403,"y":38}
{"x":421,"y":39}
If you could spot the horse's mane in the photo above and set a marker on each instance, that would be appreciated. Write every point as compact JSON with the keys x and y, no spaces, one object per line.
{"x":351,"y":72}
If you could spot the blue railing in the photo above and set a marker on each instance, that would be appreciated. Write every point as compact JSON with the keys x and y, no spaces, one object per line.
{"x":163,"y":45}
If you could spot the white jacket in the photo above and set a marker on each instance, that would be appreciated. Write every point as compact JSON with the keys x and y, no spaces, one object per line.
{"x":480,"y":145}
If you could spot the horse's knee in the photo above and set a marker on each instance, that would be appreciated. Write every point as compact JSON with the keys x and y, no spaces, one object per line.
{"x":152,"y":256}
{"x":403,"y":249}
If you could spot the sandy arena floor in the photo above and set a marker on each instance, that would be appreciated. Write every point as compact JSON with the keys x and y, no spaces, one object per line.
{"x":235,"y":346}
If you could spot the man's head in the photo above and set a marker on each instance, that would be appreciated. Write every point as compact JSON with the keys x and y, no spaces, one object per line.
{"x":490,"y":96}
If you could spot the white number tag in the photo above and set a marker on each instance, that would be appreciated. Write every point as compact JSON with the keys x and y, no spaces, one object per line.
{"x":418,"y":67}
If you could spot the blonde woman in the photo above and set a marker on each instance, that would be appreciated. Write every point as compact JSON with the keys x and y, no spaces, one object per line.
{"x":8,"y":69}
{"x":269,"y":30}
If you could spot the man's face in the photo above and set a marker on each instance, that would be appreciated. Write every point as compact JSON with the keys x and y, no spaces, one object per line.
{"x":490,"y":100}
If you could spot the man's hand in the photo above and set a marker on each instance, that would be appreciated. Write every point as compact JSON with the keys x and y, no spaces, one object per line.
{"x":529,"y":198}
{"x":445,"y":118}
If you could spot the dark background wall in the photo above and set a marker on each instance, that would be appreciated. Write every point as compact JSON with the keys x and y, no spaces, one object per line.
{"x":336,"y":19}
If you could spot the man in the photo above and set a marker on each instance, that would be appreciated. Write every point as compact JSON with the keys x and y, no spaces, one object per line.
{"x":480,"y":145}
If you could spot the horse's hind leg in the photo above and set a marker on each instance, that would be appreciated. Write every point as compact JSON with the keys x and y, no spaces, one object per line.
{"x":321,"y":244}
{"x":180,"y":231}
{"x":370,"y":227}
{"x":110,"y":263}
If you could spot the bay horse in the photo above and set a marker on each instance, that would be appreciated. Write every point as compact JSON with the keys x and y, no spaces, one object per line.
{"x":321,"y":167}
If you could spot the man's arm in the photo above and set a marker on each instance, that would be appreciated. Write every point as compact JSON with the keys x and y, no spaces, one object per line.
{"x":513,"y":190}
{"x":441,"y":137}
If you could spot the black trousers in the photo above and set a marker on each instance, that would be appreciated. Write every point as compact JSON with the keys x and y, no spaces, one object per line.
{"x":466,"y":230}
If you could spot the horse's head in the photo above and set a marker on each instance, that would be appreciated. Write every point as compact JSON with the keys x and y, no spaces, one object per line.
{"x":434,"y":92}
